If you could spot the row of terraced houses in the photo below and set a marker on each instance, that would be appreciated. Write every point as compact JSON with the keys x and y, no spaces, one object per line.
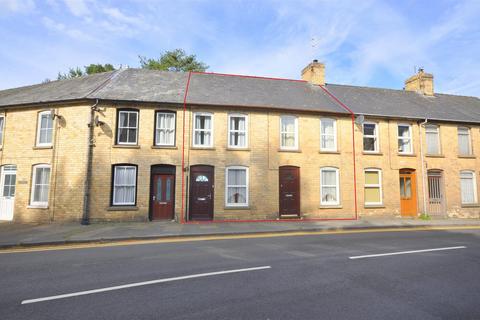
{"x":140,"y":145}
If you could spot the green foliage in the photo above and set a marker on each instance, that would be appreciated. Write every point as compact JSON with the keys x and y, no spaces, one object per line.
{"x":90,"y":69}
{"x":175,"y":60}
{"x":424,"y":216}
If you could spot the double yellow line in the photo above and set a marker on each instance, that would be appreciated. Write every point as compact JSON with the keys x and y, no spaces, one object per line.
{"x":133,"y":242}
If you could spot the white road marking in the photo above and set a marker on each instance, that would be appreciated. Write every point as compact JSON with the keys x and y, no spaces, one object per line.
{"x":145,"y":283}
{"x":405,"y":252}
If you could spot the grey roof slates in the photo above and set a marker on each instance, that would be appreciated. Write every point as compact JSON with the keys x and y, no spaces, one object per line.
{"x":405,"y":104}
{"x":71,"y":89}
{"x":227,"y":90}
{"x":244,"y":91}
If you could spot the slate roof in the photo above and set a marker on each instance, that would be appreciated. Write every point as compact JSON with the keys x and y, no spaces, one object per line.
{"x":407,"y":104}
{"x":139,"y":85}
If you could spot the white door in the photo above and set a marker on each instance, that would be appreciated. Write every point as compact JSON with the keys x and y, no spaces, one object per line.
{"x":8,"y":179}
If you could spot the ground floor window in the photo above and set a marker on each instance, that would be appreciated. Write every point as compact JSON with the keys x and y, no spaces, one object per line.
{"x":468,"y":187}
{"x":329,"y":193}
{"x":236,"y":187}
{"x":40,"y":185}
{"x":373,"y":187}
{"x":124,"y":185}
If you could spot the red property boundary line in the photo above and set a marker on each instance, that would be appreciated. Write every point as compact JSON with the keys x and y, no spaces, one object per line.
{"x":183,"y":211}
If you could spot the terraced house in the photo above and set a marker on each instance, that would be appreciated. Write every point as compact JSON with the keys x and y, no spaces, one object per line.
{"x":144,"y":145}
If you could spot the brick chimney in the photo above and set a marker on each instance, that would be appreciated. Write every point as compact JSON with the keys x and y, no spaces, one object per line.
{"x":421,"y":82}
{"x":314,"y":73}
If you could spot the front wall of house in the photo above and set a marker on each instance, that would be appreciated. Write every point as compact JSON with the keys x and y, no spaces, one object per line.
{"x":67,"y":158}
{"x":263,"y":157}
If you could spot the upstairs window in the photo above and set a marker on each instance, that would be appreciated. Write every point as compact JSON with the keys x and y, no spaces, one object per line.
{"x":468,"y":187}
{"x":124,"y":185}
{"x":127,"y":127}
{"x":2,"y":122}
{"x":373,"y":187}
{"x":370,"y":137}
{"x":329,"y":187}
{"x":40,"y":185}
{"x":236,"y":193}
{"x":432,"y":138}
{"x":237,"y":131}
{"x":44,"y":129}
{"x":288,"y":132}
{"x":202,"y":129}
{"x":464,"y":141}
{"x":405,"y":139}
{"x":328,"y":134}
{"x":165,"y":129}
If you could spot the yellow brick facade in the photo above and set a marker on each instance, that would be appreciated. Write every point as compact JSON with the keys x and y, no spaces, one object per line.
{"x":263,"y":157}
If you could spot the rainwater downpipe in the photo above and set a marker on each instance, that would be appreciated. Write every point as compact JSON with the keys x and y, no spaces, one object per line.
{"x":86,"y":196}
{"x":182,"y":211}
{"x":422,"y":124}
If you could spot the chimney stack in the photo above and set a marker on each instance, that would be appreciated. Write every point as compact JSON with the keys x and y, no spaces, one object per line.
{"x":314,"y":73}
{"x":421,"y":82}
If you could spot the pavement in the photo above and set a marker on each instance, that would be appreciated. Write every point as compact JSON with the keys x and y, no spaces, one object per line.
{"x":12,"y":235}
{"x":431,"y":275}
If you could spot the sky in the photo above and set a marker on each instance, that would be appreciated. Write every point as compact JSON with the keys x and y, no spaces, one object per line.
{"x":367,"y":43}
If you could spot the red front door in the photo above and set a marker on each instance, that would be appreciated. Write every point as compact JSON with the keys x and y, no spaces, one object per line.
{"x":289,"y":181}
{"x":163,"y":196}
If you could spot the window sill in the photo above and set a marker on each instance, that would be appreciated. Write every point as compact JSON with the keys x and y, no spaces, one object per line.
{"x":290,"y":150}
{"x":202,"y":148}
{"x":237,"y":149}
{"x":435,"y":155}
{"x":470,"y":205}
{"x":406,"y":154}
{"x":37,"y":207}
{"x":372,"y":153}
{"x":42,"y":147}
{"x":333,"y":206}
{"x":122,"y":208}
{"x":165,"y":147}
{"x":126,"y":146}
{"x":467,"y":156}
{"x":329,"y":152}
{"x":237,"y":208}
{"x":373,"y":206}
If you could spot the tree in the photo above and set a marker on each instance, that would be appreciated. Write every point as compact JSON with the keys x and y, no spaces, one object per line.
{"x":90,"y":69}
{"x":175,"y":60}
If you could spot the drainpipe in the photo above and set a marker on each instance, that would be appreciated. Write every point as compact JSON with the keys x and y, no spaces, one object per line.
{"x":423,"y":165}
{"x":86,"y":196}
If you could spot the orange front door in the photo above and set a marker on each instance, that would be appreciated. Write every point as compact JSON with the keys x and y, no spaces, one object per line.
{"x":408,"y":193}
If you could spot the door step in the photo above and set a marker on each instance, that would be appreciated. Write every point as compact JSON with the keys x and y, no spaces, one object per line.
{"x":289,"y":216}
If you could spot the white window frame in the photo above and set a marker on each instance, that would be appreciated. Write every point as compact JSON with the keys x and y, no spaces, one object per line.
{"x":295,"y":132}
{"x":409,"y":138}
{"x":468,"y":134}
{"x":474,"y":181}
{"x":375,"y":136}
{"x":136,"y":127}
{"x":40,"y":204}
{"x":337,"y":187}
{"x":247,"y":180}
{"x":48,"y":113}
{"x":2,"y":129}
{"x":195,"y":130}
{"x":379,"y":185}
{"x":437,"y":129}
{"x":114,"y":203}
{"x":335,"y":148}
{"x":157,"y":128}
{"x":230,"y":130}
